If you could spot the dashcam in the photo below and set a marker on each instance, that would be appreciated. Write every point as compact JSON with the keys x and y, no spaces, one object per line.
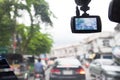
{"x":85,"y":24}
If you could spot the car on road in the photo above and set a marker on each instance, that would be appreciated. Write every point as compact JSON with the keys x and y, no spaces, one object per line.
{"x":104,"y":69}
{"x":111,"y":73}
{"x":5,"y":71}
{"x":67,"y":69}
{"x":18,"y":64}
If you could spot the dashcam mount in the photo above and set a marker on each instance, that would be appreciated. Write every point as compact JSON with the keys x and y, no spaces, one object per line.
{"x":83,"y":6}
{"x":79,"y":23}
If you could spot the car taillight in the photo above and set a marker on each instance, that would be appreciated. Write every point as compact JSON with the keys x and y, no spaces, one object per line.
{"x":80,"y":71}
{"x":55,"y":71}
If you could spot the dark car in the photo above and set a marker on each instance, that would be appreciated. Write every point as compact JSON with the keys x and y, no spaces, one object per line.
{"x":18,"y":65}
{"x":104,"y":69}
{"x":5,"y":71}
{"x":67,"y":69}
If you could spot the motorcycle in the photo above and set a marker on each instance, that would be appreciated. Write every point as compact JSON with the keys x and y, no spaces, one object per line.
{"x":38,"y":76}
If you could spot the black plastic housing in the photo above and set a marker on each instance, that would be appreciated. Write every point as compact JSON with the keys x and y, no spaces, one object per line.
{"x":114,"y":11}
{"x":85,"y":24}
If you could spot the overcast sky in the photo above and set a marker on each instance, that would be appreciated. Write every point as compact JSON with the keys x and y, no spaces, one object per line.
{"x":65,"y":9}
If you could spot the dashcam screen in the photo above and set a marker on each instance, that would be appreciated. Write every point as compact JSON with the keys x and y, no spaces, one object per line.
{"x":85,"y":24}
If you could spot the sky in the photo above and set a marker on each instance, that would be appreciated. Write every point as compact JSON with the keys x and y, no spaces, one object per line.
{"x":65,"y":9}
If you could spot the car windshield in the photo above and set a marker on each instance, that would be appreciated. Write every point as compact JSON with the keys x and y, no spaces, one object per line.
{"x":71,"y":32}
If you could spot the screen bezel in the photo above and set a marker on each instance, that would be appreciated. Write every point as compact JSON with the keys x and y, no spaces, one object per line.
{"x":73,"y":26}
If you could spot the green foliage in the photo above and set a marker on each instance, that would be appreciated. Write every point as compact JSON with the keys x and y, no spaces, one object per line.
{"x":42,"y":9}
{"x":6,"y":24}
{"x":29,"y":38}
{"x":1,"y":1}
{"x":41,"y":43}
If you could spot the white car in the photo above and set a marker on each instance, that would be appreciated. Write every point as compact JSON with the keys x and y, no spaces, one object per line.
{"x":104,"y":69}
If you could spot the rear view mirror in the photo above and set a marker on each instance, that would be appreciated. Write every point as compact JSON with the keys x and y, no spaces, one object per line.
{"x":114,"y":11}
{"x":85,"y":24}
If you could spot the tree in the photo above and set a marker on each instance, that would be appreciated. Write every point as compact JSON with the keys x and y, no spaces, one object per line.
{"x":7,"y":25}
{"x":42,"y":14}
{"x":10,"y":12}
{"x":41,"y":43}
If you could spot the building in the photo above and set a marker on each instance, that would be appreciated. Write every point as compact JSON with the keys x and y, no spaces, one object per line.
{"x":100,"y":43}
{"x":67,"y":50}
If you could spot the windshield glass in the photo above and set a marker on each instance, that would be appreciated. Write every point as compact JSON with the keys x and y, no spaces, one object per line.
{"x":42,"y":30}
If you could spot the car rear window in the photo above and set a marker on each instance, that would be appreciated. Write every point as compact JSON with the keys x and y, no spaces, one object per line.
{"x":71,"y":62}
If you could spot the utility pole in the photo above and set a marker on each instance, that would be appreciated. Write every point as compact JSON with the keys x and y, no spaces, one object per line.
{"x":14,"y":43}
